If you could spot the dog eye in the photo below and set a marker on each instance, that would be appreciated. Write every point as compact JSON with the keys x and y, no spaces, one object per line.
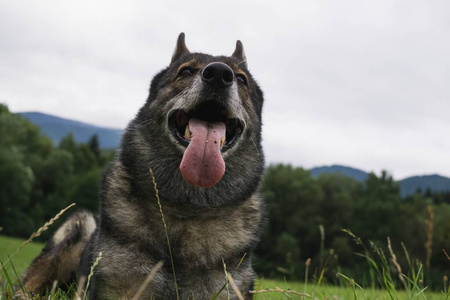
{"x":185,"y":71}
{"x":241,"y":79}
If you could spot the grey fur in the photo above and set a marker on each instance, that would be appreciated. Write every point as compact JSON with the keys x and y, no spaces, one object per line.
{"x":205,"y":226}
{"x":60,"y":258}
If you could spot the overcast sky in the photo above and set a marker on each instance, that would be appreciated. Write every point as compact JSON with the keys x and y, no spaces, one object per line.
{"x":359,"y":83}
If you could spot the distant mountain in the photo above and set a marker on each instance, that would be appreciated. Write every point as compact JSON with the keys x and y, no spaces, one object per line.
{"x":57,"y":128}
{"x":408,"y":186}
{"x":435,"y":183}
{"x":343,"y":170}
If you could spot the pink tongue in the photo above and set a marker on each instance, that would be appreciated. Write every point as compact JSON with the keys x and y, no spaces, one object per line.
{"x":202,"y":162}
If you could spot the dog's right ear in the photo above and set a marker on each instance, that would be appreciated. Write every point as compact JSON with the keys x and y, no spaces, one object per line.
{"x":180,"y":49}
{"x":239,"y":53}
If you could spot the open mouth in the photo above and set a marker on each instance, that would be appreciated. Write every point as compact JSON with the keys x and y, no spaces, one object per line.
{"x":207,"y":132}
{"x":211,"y":113}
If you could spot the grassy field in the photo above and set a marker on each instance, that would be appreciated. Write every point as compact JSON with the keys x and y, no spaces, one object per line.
{"x":334,"y":292}
{"x":283,"y":290}
{"x":20,"y":262}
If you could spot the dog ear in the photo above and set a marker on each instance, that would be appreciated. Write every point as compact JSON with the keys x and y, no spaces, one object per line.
{"x":180,"y":49}
{"x":239,"y":53}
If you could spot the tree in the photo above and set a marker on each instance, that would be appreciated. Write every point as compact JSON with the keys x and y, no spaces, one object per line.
{"x":68,"y":143}
{"x":85,"y":189}
{"x":38,"y":180}
{"x":378,"y":210}
{"x":16,"y":180}
{"x":94,"y":146}
{"x":341,"y":194}
{"x":293,"y":201}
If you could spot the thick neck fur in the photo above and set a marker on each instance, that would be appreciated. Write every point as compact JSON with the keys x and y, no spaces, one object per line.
{"x":132,"y":218}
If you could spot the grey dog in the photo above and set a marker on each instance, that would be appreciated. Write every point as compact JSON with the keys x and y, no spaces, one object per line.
{"x":200,"y":133}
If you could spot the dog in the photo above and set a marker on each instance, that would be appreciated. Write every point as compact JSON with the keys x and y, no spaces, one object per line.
{"x":198,"y":136}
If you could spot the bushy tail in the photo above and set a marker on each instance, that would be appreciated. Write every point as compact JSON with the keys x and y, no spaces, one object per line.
{"x":60,"y":258}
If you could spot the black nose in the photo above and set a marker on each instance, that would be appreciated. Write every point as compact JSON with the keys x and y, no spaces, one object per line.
{"x":218,"y":75}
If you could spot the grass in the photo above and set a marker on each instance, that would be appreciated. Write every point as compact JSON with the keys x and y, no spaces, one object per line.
{"x":330,"y":292}
{"x":22,"y":260}
{"x":282,"y":289}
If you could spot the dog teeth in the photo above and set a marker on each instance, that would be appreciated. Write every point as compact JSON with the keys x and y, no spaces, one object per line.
{"x":222,"y":141}
{"x":187,"y":133}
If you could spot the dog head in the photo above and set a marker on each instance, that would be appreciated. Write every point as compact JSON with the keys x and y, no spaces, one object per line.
{"x":200,"y":129}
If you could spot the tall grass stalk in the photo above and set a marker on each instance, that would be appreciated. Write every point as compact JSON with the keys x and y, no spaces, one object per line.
{"x":80,"y":286}
{"x":307,"y":264}
{"x":324,"y":268}
{"x":445,"y":252}
{"x":234,"y":286}
{"x":373,"y":267}
{"x":165,"y":230}
{"x":52,"y":291}
{"x":396,"y":264}
{"x":415,"y":289}
{"x":91,"y":273}
{"x":352,"y":283}
{"x":429,"y":232}
{"x":226,"y":280}
{"x":386,"y":278}
{"x":446,"y":289}
{"x":7,"y":287}
{"x":412,"y":283}
{"x":410,"y":264}
{"x":22,"y":287}
{"x":322,"y":246}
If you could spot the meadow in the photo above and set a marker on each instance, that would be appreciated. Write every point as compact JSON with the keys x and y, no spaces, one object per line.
{"x":264,"y":288}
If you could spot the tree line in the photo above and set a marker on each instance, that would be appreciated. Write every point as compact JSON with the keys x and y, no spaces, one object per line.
{"x":305,"y":215}
{"x":38,"y":179}
{"x":328,"y":218}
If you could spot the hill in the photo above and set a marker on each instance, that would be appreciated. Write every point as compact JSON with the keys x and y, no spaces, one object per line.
{"x":408,"y":186}
{"x":435,"y":183}
{"x":343,"y":170}
{"x":57,"y":128}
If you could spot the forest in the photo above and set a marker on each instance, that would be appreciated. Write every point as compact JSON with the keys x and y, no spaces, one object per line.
{"x":320,"y":224}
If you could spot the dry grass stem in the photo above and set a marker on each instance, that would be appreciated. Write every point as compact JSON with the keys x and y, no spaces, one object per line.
{"x":147,"y":280}
{"x":448,"y":257}
{"x":396,"y":264}
{"x":429,"y":232}
{"x":52,"y":292}
{"x":80,"y":286}
{"x":445,"y":279}
{"x":234,"y":286}
{"x":308,"y":262}
{"x":279,"y":290}
{"x":165,"y":229}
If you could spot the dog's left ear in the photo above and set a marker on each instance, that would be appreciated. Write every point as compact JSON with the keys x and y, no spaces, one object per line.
{"x":180,"y":49}
{"x":239,"y":53}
